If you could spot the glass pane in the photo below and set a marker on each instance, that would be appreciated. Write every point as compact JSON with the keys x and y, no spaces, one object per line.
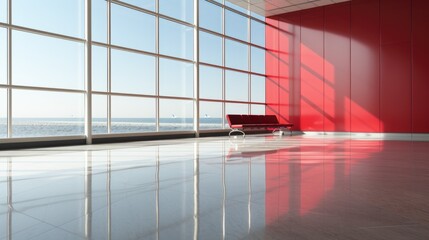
{"x":133,"y":114}
{"x":258,"y":60}
{"x":47,"y":62}
{"x":236,"y":55}
{"x":99,"y":114}
{"x":176,"y":78}
{"x":236,"y":25}
{"x":235,"y":108}
{"x":99,"y":20}
{"x":210,"y":48}
{"x":258,"y":109}
{"x":99,"y":68}
{"x":176,"y":115}
{"x":146,"y":4}
{"x":179,"y":9}
{"x":133,"y":29}
{"x":258,"y":89}
{"x":210,"y":115}
{"x":64,"y":17}
{"x":236,"y":86}
{"x":3,"y":56}
{"x":41,"y":113}
{"x":210,"y":82}
{"x":3,"y":10}
{"x":133,"y":73}
{"x":210,"y":16}
{"x":3,"y":113}
{"x":176,"y":40}
{"x":257,"y":16}
{"x":241,"y":8}
{"x":258,"y":33}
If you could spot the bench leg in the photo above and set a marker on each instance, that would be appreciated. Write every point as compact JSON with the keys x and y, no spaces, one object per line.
{"x":280,"y":130}
{"x":237,"y":130}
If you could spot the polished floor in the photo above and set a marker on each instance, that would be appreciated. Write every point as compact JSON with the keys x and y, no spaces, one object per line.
{"x":260,"y":187}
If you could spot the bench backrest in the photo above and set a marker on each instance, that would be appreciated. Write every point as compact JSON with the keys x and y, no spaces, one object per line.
{"x":238,"y":119}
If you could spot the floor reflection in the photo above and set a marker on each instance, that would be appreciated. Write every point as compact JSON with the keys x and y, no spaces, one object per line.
{"x":261,"y":187}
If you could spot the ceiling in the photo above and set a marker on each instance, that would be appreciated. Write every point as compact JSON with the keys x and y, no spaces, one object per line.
{"x":275,"y":7}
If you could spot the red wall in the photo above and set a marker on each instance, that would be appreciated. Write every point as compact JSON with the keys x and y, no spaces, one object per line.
{"x":358,"y":66}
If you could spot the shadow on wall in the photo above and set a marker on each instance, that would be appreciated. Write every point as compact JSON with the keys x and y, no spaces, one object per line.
{"x":343,"y":68}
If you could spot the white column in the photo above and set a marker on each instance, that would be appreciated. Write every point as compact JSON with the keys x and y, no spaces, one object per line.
{"x":109,"y":67}
{"x":88,"y":72}
{"x":196,"y":69}
{"x":9,"y":71}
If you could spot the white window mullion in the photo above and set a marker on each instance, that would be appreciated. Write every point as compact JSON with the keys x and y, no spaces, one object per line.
{"x":88,"y":71}
{"x":196,"y":69}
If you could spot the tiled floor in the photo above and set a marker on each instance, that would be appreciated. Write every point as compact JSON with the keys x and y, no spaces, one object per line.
{"x":263,"y":187}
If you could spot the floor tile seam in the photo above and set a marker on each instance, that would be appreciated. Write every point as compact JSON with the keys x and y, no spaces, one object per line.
{"x":392,"y":226}
{"x":41,"y":221}
{"x":212,"y":196}
{"x":56,"y":229}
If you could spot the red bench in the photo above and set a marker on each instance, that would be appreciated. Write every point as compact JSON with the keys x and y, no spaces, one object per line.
{"x":238,"y":123}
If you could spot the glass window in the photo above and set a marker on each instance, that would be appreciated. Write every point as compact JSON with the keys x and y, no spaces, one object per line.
{"x":179,"y":9}
{"x":176,"y":78}
{"x":210,"y":16}
{"x":237,"y":86}
{"x":99,"y":114}
{"x":64,"y":17}
{"x":176,"y":40}
{"x":258,"y":109}
{"x":99,"y":69}
{"x":133,"y":73}
{"x":42,"y":113}
{"x":257,"y":60}
{"x":133,"y":114}
{"x":3,"y":10}
{"x":146,"y":4}
{"x":176,"y":115}
{"x":3,"y":56}
{"x":210,"y":115}
{"x":258,"y":89}
{"x":210,"y":48}
{"x":47,"y":62}
{"x":99,"y":21}
{"x":236,"y":25}
{"x":132,"y":29}
{"x":3,"y":113}
{"x":210,"y":82}
{"x":236,"y":55}
{"x":257,"y":33}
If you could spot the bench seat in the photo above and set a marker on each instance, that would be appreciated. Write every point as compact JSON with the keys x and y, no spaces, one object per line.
{"x":240,"y":122}
{"x":261,"y":125}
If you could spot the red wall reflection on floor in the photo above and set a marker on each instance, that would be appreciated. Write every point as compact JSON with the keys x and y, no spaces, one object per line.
{"x":299,"y":180}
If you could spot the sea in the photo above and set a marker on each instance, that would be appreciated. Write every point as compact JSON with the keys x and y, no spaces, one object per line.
{"x":43,"y":127}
